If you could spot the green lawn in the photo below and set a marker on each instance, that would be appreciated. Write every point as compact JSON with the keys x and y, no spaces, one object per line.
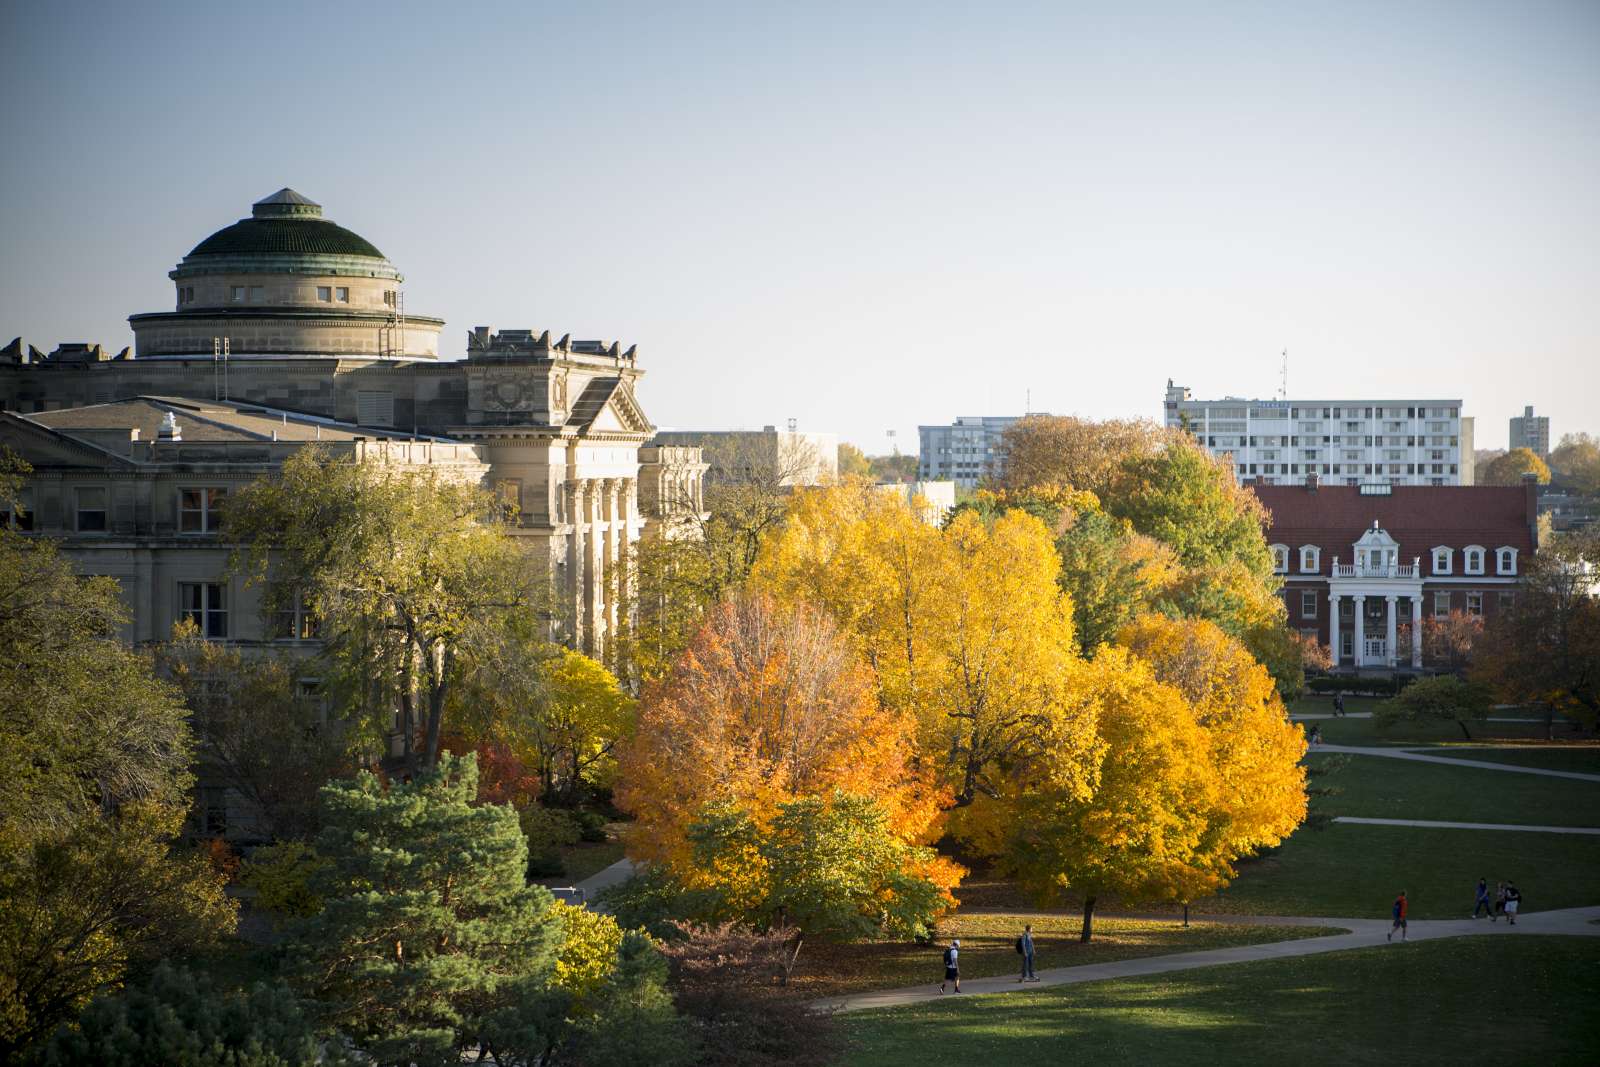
{"x":988,"y":947}
{"x":1510,"y":1000}
{"x":1355,"y":871}
{"x":1348,"y":731}
{"x":1583,"y":758}
{"x":1384,"y":788}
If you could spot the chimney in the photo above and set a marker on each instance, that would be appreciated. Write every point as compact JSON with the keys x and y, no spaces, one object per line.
{"x":1530,"y":491}
{"x":170,"y":430}
{"x":1313,"y":481}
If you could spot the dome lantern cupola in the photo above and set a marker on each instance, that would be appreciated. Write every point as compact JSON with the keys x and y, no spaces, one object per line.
{"x":286,"y":203}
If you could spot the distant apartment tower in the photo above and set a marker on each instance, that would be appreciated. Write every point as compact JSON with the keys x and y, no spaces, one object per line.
{"x":1532,"y":432}
{"x":1343,"y":442}
{"x":963,"y":452}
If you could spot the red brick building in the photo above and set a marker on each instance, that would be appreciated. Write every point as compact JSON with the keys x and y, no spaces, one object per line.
{"x":1361,"y":564}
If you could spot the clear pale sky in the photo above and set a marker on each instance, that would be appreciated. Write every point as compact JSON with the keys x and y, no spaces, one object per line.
{"x":862,"y":216}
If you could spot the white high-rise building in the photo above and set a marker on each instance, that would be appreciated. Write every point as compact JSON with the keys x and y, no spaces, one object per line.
{"x":965,"y":451}
{"x":1343,"y":442}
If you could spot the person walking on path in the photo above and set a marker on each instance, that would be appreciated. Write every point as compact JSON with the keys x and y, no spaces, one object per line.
{"x":1025,"y":946}
{"x":1316,"y":735}
{"x":952,"y":965}
{"x":1499,"y":902}
{"x":1483,"y":904}
{"x":1513,"y":903}
{"x":1338,"y":704}
{"x":1399,"y":917}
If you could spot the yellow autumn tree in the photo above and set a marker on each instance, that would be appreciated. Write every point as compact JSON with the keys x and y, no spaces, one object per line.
{"x":966,"y":628}
{"x":1254,"y":746}
{"x":768,"y":705}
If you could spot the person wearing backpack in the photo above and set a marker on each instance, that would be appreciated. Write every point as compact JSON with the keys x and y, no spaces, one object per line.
{"x":1513,"y":902}
{"x":1025,"y":949}
{"x":952,"y":965}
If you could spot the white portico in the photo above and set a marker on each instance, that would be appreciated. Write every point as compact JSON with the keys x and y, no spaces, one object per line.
{"x":1375,"y":577}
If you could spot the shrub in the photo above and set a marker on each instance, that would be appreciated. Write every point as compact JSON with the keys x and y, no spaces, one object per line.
{"x":591,"y":826}
{"x":588,"y":953}
{"x":1442,"y":699}
{"x":548,"y":831}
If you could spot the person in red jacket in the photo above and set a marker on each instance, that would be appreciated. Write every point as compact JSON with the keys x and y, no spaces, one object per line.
{"x":1399,"y":917}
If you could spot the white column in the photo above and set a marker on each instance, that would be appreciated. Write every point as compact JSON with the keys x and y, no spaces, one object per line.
{"x":1393,"y":613}
{"x":1361,"y":634}
{"x":1416,"y":630}
{"x":577,"y":552}
{"x":1333,"y":626}
{"x":612,"y":557}
{"x":593,"y":580}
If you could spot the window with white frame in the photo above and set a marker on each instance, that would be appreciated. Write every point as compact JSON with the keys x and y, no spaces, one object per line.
{"x":1441,"y":560}
{"x":341,"y":293}
{"x":1472,"y":560}
{"x":1505,"y":561}
{"x":18,"y":516}
{"x":1280,"y":559}
{"x":1508,"y":600}
{"x":1441,"y":604}
{"x":325,"y":293}
{"x":1308,"y":604}
{"x":1474,"y":603}
{"x":292,"y":617}
{"x":200,"y":510}
{"x":1310,"y":559}
{"x":91,"y":509}
{"x":206,"y":605}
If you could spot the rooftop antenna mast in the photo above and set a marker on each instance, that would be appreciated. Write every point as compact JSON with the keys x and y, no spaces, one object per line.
{"x":1283,"y":377}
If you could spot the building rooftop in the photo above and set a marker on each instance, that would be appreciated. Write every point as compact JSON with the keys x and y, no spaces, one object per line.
{"x":1420,"y":517}
{"x":285,"y":224}
{"x":198,"y":421}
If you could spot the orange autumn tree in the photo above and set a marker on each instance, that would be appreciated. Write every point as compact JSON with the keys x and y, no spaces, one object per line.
{"x":966,"y":628}
{"x":770,"y":706}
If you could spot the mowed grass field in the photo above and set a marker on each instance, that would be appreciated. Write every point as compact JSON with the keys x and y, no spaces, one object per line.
{"x":1511,"y":1000}
{"x":1386,"y":788}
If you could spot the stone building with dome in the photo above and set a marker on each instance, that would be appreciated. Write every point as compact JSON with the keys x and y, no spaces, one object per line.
{"x":288,"y":330}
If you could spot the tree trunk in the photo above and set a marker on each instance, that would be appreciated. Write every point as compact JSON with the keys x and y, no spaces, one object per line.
{"x":438,"y":674}
{"x":1088,"y":920}
{"x":1549,"y":722}
{"x":1464,"y":732}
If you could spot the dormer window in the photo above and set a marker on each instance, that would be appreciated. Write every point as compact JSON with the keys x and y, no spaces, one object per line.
{"x":1310,"y":559}
{"x":1442,"y":559}
{"x":1280,"y":559}
{"x":1473,"y":560}
{"x":1505,"y":561}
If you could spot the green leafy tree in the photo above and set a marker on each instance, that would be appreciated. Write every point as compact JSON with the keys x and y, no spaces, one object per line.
{"x":404,"y":570}
{"x":94,"y":784}
{"x":258,"y":734}
{"x":429,"y":941}
{"x":634,"y":1021}
{"x":1444,"y":698}
{"x":1509,"y":468}
{"x":180,"y":1017}
{"x":828,"y":867}
{"x":896,"y":468}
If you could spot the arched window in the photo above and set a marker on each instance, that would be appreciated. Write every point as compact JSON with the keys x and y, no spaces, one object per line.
{"x":1280,"y":559}
{"x":1310,"y":559}
{"x":1505,"y":560}
{"x":1473,"y":560}
{"x":1442,"y":559}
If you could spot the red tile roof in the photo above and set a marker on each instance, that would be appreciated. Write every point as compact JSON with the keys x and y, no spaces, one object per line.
{"x":1419,"y":517}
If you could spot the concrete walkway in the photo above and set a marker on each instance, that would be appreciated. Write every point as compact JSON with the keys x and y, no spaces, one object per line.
{"x":1482,"y":765}
{"x":1429,"y":824}
{"x":615,"y":874}
{"x":1363,"y":933}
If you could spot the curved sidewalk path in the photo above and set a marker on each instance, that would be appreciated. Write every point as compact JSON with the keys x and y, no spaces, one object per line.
{"x":1364,"y":933}
{"x":1484,"y":765}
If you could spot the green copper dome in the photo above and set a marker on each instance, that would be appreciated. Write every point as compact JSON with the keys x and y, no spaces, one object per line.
{"x":285,"y":234}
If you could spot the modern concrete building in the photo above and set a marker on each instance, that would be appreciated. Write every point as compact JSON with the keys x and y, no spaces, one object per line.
{"x":1532,"y":432}
{"x":933,"y":500}
{"x":1345,"y":442}
{"x":965,"y":452}
{"x":1363,"y":565}
{"x":287,"y":327}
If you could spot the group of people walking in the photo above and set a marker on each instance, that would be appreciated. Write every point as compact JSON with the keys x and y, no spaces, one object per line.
{"x":1505,"y":900}
{"x":952,"y":959}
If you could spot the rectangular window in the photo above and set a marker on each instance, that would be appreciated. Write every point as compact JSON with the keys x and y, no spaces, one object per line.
{"x":1474,"y":603}
{"x":342,"y":294}
{"x":1308,"y":604}
{"x":1507,"y":601}
{"x":1441,"y":604}
{"x":325,"y":293}
{"x":18,"y":518}
{"x":293,"y":620}
{"x":206,"y":605}
{"x":258,"y":294}
{"x":91,"y":514}
{"x":375,"y":408}
{"x":236,"y":294}
{"x":200,"y":510}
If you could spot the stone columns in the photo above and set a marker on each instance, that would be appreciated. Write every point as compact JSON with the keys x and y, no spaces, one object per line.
{"x":577,"y":552}
{"x":1388,"y":648}
{"x":1361,"y":630}
{"x":1333,"y":626}
{"x":1416,"y":630}
{"x":593,"y":578}
{"x":609,"y":566}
